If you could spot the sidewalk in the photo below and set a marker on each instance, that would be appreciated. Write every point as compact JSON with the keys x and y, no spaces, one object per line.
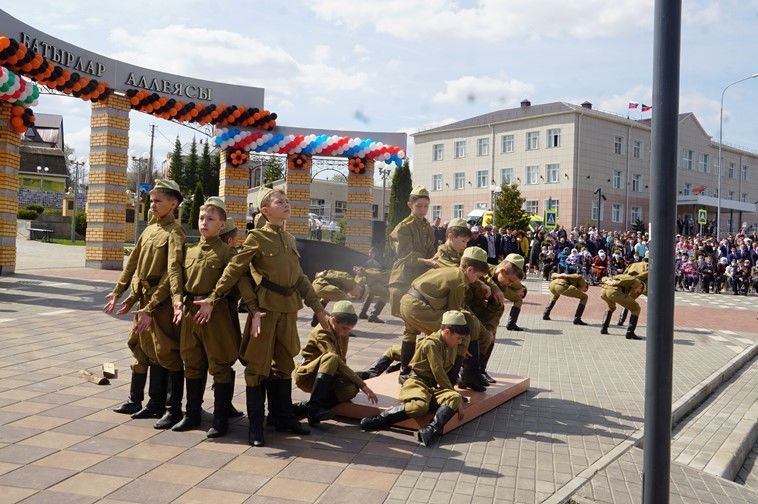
{"x":59,"y":441}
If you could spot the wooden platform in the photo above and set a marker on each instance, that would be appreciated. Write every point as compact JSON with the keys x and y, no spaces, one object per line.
{"x":387,"y":389}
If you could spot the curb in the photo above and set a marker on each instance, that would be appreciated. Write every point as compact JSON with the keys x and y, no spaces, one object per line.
{"x":729,"y":458}
{"x":681,"y":408}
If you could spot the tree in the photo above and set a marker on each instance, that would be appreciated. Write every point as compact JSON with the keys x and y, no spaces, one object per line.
{"x":272,"y":171}
{"x":192,"y":167}
{"x":197,"y":202}
{"x":338,"y":177}
{"x":638,"y":225}
{"x":207,"y":176}
{"x":508,"y":208}
{"x":176,"y":165}
{"x":400,"y":191}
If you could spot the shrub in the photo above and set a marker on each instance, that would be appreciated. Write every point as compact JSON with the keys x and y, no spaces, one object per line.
{"x":81,"y":224}
{"x":38,"y":209}
{"x":26,"y":214}
{"x":53,"y":211}
{"x":340,"y":237}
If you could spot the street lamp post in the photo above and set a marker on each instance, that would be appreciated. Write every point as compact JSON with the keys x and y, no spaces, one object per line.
{"x":600,"y":198}
{"x":384,"y":171}
{"x":721,"y":137}
{"x":41,"y":171}
{"x":75,"y":191}
{"x":137,"y":162}
{"x":495,"y":191}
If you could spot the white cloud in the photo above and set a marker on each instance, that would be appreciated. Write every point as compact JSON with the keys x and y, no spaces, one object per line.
{"x":489,"y":90}
{"x":321,"y":53}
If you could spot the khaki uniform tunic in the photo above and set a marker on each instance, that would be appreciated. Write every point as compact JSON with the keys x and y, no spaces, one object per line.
{"x":640,"y":270}
{"x":428,"y":385}
{"x":333,"y":285}
{"x":377,"y":281}
{"x":411,"y":240}
{"x":617,"y":290}
{"x":270,"y":254}
{"x":569,"y":285}
{"x":156,"y":259}
{"x":325,"y":352}
{"x":443,"y":289}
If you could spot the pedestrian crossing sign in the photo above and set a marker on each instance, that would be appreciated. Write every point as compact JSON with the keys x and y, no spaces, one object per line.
{"x":551,"y":219}
{"x":702,"y":216}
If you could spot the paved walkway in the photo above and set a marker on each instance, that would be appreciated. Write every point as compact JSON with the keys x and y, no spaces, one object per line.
{"x":59,"y":441}
{"x":748,"y":475}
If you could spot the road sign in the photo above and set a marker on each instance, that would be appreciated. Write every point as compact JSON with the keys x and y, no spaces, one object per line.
{"x":551,"y":219}
{"x":702,"y":216}
{"x":145,"y":187}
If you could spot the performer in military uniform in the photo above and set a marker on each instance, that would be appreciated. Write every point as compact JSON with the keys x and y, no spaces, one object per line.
{"x":334,"y":285}
{"x":515,"y":292}
{"x":411,"y":240}
{"x":428,"y":386}
{"x":154,"y":341}
{"x":376,"y":281}
{"x":624,"y":290}
{"x":270,"y":340}
{"x":640,"y":270}
{"x":569,"y":285}
{"x":389,"y":362}
{"x":324,"y":371}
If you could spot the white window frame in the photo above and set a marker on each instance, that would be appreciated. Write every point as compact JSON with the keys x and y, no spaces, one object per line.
{"x":532,"y":174}
{"x":687,"y":190}
{"x":745,"y":173}
{"x":688,"y":156}
{"x":744,"y":197}
{"x":594,"y":211}
{"x":482,"y":146}
{"x":481,"y":206}
{"x":637,"y":149}
{"x":618,"y":179}
{"x":457,"y":211}
{"x":459,"y":177}
{"x":459,"y":149}
{"x":731,"y":170}
{"x":704,"y":162}
{"x":437,"y":182}
{"x":635,"y":213}
{"x":438,"y":152}
{"x":730,"y":196}
{"x":636,"y":182}
{"x":553,"y":138}
{"x":506,"y":176}
{"x":617,"y":213}
{"x":436,"y":211}
{"x":552,"y":173}
{"x":340,"y":208}
{"x":507,"y":144}
{"x":618,"y":144}
{"x":532,"y":140}
{"x":552,"y":204}
{"x":532,"y":207}
{"x":482,"y":178}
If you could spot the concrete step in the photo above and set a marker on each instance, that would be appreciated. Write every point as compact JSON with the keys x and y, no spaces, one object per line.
{"x":748,"y":474}
{"x":717,"y":437}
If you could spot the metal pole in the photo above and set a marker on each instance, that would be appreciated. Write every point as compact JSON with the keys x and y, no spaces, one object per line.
{"x":136,"y":202}
{"x":660,"y":329}
{"x":74,"y":190}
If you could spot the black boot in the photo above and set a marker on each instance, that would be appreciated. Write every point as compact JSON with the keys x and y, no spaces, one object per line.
{"x":485,"y":359}
{"x":578,"y":315}
{"x":454,"y":374}
{"x":606,"y":322}
{"x":156,"y":391}
{"x":377,"y":368}
{"x":232,"y":412}
{"x":222,"y":398}
{"x":280,"y":406}
{"x":427,"y":434}
{"x":378,"y":307}
{"x":364,"y":309}
{"x":136,"y":395}
{"x":632,"y":326}
{"x":254,"y":397}
{"x":407,"y":349}
{"x":322,"y":399}
{"x":173,"y":414}
{"x":193,"y":408}
{"x":513,"y":318}
{"x":622,"y":317}
{"x":471,"y":377}
{"x":384,"y":419}
{"x":548,"y":309}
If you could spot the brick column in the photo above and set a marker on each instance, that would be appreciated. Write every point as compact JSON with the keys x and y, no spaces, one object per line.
{"x":10,"y":160}
{"x":106,"y":196}
{"x":299,"y":194}
{"x":360,"y":197}
{"x":233,"y":190}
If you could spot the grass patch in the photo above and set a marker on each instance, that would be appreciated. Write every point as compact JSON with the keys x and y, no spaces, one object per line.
{"x":61,"y":241}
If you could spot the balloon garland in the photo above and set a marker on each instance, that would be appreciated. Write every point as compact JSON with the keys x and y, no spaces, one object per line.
{"x":238,"y":157}
{"x":298,"y":162}
{"x":311,"y":145}
{"x":356,"y":165}
{"x":16,"y":90}
{"x":21,"y":118}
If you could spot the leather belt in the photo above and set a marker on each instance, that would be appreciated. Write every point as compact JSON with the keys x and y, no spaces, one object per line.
{"x":279,"y":289}
{"x":417,"y":295}
{"x":149,"y":284}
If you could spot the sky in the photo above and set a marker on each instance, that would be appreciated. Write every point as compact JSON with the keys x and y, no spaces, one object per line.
{"x":405,"y":65}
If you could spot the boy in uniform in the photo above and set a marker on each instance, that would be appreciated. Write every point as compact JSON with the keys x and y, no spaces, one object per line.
{"x":640,"y":270}
{"x":515,"y":292}
{"x":376,"y":281}
{"x":334,"y":285}
{"x":154,"y":341}
{"x":570,"y":285}
{"x":270,"y":340}
{"x":324,"y":371}
{"x":411,"y":240}
{"x":428,"y":385}
{"x":624,"y":290}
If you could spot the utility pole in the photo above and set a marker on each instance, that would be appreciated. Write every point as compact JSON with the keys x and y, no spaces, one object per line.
{"x":150,"y":157}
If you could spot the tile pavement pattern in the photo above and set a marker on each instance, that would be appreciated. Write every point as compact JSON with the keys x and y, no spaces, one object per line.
{"x":748,"y":475}
{"x":59,"y":441}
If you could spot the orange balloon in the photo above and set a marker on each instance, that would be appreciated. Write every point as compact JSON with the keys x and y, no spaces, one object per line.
{"x":134,"y":100}
{"x":17,"y":121}
{"x":12,"y":60}
{"x":5,"y":42}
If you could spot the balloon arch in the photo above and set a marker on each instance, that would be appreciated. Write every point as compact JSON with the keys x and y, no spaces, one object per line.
{"x":30,"y":59}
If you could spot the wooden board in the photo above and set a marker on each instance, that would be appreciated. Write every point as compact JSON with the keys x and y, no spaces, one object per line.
{"x":387,"y":389}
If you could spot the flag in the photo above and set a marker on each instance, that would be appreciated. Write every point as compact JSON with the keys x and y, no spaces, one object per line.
{"x":645,"y":108}
{"x":633,"y":104}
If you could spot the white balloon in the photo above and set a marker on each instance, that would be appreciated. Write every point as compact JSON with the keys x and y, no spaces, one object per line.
{"x":400,"y":154}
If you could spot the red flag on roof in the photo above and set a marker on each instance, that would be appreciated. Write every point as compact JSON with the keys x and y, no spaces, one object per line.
{"x":645,"y":108}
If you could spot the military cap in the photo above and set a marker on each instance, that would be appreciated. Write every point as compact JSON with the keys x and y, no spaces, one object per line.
{"x":420,"y":190}
{"x":478,"y":254}
{"x":169,"y":185}
{"x":217,"y":202}
{"x":457,"y":222}
{"x":516,"y":260}
{"x":229,"y":227}
{"x":453,"y":317}
{"x":262,"y":193}
{"x":343,"y":307}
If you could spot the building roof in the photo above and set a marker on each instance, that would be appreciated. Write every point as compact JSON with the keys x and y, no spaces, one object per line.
{"x":32,"y":157}
{"x":47,"y":130}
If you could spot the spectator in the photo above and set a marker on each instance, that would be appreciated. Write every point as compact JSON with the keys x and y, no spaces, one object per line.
{"x":477,"y":239}
{"x":332,"y":229}
{"x":562,"y":257}
{"x":707,"y":273}
{"x":732,"y":276}
{"x":573,"y":262}
{"x":600,"y":266}
{"x":719,"y":275}
{"x":742,"y":278}
{"x":534,"y":252}
{"x":690,"y":274}
{"x":493,"y":244}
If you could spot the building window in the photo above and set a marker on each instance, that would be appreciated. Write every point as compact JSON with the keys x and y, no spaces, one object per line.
{"x":482,"y":206}
{"x":532,"y":206}
{"x":731,"y":196}
{"x":436,"y":211}
{"x":618,"y":145}
{"x":687,"y":189}
{"x":339,"y":208}
{"x":481,"y":178}
{"x":636,"y":183}
{"x":745,"y":175}
{"x":637,"y":149}
{"x":457,"y":211}
{"x":552,"y":173}
{"x":437,"y":182}
{"x":460,"y":149}
{"x":533,"y":140}
{"x":317,"y":206}
{"x":597,"y":211}
{"x":438,"y":151}
{"x":375,"y":211}
{"x":459,"y":180}
{"x":506,"y":176}
{"x":704,"y":163}
{"x":744,"y":197}
{"x":483,"y":147}
{"x":617,"y":213}
{"x":553,"y":138}
{"x":731,"y":170}
{"x":688,"y":158}
{"x":508,"y":143}
{"x":617,"y":179}
{"x":552,"y":204}
{"x":532,"y":172}
{"x":636,"y":214}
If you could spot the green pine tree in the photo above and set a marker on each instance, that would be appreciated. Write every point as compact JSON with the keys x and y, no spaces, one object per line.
{"x":204,"y":168}
{"x":272,"y":171}
{"x":508,"y":208}
{"x":176,"y":166}
{"x":400,"y":191}
{"x":197,"y":202}
{"x":192,"y":167}
{"x":215,"y":181}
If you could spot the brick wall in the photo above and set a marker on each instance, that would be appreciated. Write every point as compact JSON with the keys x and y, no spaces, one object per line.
{"x":360,"y":197}
{"x":299,"y":194}
{"x":10,"y":160}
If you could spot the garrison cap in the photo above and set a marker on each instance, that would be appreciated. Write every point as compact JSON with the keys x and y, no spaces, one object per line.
{"x":457,"y":222}
{"x":217,"y":202}
{"x":476,"y":253}
{"x":262,"y":193}
{"x":229,"y":227}
{"x":453,"y":317}
{"x":169,"y":185}
{"x":515,"y":259}
{"x":343,"y":307}
{"x":420,"y":190}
